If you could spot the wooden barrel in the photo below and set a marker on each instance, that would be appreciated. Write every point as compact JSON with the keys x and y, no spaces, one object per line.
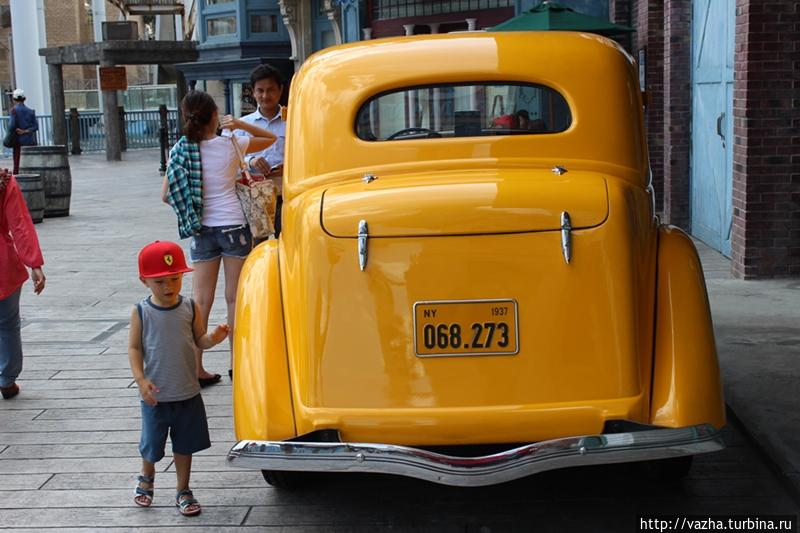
{"x":33,"y":191}
{"x":52,"y":163}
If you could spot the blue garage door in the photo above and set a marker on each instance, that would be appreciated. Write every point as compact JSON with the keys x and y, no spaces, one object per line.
{"x":713,"y":27}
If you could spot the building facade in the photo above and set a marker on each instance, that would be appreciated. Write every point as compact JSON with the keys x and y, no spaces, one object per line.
{"x":66,"y":21}
{"x":386,"y":18}
{"x":236,"y":35}
{"x":723,"y":124}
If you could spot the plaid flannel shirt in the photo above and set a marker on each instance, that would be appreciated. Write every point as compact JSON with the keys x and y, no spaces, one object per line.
{"x":185,"y":190}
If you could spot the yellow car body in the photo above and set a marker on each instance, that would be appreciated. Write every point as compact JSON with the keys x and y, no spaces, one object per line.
{"x":550,"y":238}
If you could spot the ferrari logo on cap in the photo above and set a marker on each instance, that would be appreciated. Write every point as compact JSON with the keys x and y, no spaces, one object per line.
{"x":168,"y":259}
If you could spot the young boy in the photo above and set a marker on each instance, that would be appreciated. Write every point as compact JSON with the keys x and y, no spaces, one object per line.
{"x":166,"y":329}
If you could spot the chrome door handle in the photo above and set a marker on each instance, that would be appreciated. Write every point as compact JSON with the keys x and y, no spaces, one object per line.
{"x":566,"y":236}
{"x":363,"y":235}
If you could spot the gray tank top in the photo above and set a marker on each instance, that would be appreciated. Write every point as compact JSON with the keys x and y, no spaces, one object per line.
{"x":168,"y":342}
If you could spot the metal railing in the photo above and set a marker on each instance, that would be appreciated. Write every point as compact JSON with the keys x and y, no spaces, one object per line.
{"x":141,"y":129}
{"x":160,"y":3}
{"x":92,"y":132}
{"x":393,"y":9}
{"x":151,"y":7}
{"x":45,"y":133}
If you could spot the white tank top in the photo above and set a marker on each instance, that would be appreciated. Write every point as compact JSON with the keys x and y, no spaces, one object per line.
{"x":220,"y":170}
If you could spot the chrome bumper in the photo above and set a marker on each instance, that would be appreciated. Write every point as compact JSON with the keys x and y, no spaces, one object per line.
{"x":475,"y":471}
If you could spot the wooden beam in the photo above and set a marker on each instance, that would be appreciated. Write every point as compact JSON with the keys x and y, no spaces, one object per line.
{"x":119,"y":4}
{"x":189,"y":22}
{"x":56,"y":76}
{"x":122,"y":53}
{"x":111,"y":122}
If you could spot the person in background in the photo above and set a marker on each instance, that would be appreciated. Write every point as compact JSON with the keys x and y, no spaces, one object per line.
{"x":536,"y":125}
{"x":19,"y":248}
{"x":200,"y":185}
{"x":23,"y":120}
{"x":268,"y":87}
{"x":523,"y":119}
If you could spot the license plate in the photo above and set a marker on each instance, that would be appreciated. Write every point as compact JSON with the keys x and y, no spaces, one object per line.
{"x":465,"y":327}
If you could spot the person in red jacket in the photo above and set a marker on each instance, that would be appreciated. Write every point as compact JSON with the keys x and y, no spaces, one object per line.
{"x":19,"y":247}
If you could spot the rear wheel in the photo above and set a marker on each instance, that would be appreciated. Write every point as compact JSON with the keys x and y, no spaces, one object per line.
{"x":286,"y":480}
{"x":672,"y":469}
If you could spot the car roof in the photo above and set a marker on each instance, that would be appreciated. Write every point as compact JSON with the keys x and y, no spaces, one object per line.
{"x":595,"y":75}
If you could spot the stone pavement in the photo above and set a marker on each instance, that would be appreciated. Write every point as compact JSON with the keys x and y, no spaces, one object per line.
{"x":68,"y":443}
{"x":76,"y":422}
{"x":757,"y":326}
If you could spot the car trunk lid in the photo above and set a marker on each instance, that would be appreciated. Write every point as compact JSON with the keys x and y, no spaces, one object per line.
{"x":510,"y":201}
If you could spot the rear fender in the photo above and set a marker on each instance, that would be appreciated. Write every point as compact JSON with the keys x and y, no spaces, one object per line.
{"x":262,"y":404}
{"x":686,"y":381}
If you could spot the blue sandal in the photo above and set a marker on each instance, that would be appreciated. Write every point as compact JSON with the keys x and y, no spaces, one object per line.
{"x":187,"y":506}
{"x":141,"y":496}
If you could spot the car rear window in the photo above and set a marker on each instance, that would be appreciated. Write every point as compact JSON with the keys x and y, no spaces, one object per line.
{"x":463,"y":110}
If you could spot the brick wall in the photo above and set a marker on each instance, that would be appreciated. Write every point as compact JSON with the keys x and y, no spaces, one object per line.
{"x":766,"y":157}
{"x":62,"y":21}
{"x":619,"y":12}
{"x":67,"y":22}
{"x":6,"y":60}
{"x":677,"y":110}
{"x":647,"y":16}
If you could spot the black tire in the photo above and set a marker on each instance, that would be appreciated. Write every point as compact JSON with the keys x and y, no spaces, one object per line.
{"x":285,"y":480}
{"x":670,"y":470}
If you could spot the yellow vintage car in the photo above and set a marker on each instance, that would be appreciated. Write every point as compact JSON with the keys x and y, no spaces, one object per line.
{"x":472,"y":284}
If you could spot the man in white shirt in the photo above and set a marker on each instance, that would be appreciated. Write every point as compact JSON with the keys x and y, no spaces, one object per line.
{"x":268,"y":85}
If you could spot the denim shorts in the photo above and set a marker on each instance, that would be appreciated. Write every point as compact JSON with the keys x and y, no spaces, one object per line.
{"x":213,"y":242}
{"x":186,"y":423}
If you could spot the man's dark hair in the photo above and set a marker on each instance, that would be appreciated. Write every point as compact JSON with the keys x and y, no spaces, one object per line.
{"x":263,"y":72}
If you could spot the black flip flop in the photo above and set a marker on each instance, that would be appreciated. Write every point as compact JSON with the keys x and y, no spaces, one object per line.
{"x":205,"y":382}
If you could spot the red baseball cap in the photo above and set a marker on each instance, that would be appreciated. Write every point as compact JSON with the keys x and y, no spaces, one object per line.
{"x":161,"y":258}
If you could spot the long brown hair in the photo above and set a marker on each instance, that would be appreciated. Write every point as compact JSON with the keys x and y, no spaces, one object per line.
{"x":197,"y":108}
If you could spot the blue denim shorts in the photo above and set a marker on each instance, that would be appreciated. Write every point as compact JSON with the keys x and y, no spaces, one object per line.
{"x":186,"y":423}
{"x":213,"y":242}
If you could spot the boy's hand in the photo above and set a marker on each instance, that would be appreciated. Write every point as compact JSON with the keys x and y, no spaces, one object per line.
{"x":148,"y":390}
{"x":219,"y":333}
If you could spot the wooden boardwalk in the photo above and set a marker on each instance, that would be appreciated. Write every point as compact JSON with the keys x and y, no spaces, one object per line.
{"x":68,"y":443}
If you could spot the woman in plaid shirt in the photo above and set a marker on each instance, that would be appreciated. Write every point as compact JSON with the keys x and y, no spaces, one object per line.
{"x":201,"y":187}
